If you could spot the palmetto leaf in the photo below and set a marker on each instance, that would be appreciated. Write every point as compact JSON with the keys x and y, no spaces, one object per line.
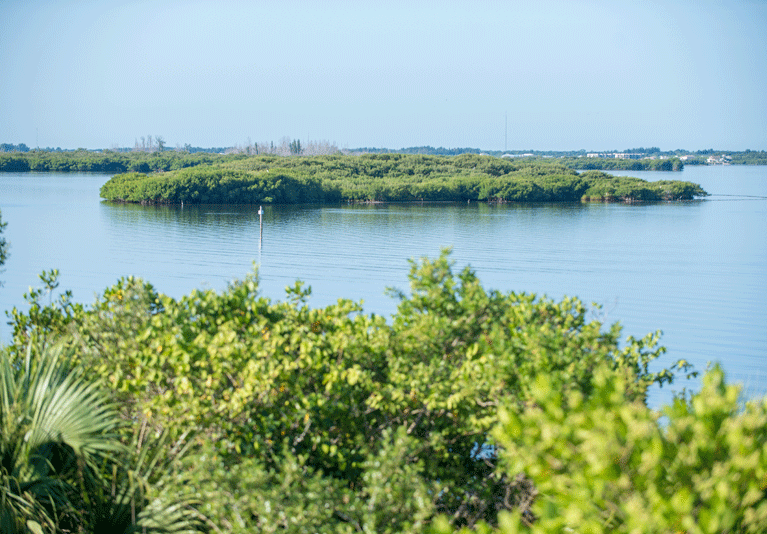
{"x":55,"y":427}
{"x":62,"y":462}
{"x":129,"y":508}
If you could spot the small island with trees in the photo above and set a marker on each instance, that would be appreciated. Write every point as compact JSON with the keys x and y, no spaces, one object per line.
{"x":385,"y":178}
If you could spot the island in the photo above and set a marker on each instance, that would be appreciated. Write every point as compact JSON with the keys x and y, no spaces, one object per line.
{"x":385,"y":178}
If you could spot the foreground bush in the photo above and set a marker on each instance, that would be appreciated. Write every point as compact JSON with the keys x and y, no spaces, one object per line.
{"x":339,"y":398}
{"x":608,"y":464}
{"x":468,"y":408}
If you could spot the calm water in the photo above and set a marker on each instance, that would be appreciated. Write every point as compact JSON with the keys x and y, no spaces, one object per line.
{"x":697,"y":270}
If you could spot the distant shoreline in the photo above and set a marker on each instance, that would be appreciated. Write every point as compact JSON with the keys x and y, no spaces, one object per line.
{"x":168,"y":160}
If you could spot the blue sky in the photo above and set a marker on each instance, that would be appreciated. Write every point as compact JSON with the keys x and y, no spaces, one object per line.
{"x":569,"y":75}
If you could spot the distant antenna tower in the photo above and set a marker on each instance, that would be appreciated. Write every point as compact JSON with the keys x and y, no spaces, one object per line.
{"x":505,"y":130}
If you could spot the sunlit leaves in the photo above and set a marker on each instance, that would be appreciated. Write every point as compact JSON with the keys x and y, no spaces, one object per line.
{"x":607,"y":464}
{"x":385,"y":423}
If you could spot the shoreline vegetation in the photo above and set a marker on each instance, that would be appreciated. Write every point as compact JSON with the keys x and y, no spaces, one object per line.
{"x":384,"y":178}
{"x":144,"y":161}
{"x":152,"y":155}
{"x":106,"y":161}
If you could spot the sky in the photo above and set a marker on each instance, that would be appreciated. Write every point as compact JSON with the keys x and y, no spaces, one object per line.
{"x":543,"y":75}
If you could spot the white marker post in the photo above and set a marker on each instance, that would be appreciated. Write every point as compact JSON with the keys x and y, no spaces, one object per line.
{"x":260,"y":226}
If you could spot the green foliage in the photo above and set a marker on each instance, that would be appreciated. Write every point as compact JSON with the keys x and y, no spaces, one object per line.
{"x":371,"y":177}
{"x":246,"y":496}
{"x":44,"y":321}
{"x":604,"y":187}
{"x":63,"y":466}
{"x":56,"y":428}
{"x":471,"y":409}
{"x":105,"y":161}
{"x":612,"y":164}
{"x":216,"y":186}
{"x":131,"y":495}
{"x":338,"y":419}
{"x":382,"y":178}
{"x":14,"y":163}
{"x":605,"y":463}
{"x":749,"y":157}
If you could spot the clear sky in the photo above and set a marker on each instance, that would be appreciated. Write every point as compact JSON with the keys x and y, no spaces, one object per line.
{"x":568,"y":75}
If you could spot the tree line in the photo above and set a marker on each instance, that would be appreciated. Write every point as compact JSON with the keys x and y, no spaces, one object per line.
{"x":148,"y":156}
{"x":611,"y":164}
{"x":105,"y":162}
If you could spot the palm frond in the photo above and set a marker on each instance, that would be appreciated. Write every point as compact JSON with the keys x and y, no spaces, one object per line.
{"x":56,"y":426}
{"x":130,"y":502}
{"x":62,"y":464}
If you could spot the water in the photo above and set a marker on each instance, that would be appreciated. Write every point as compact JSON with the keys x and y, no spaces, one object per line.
{"x":697,"y":270}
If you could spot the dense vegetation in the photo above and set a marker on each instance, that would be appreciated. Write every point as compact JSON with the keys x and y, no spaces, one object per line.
{"x":612,"y":164}
{"x":469,"y":409}
{"x":576,"y":158}
{"x":749,"y":157}
{"x":385,"y":177}
{"x":107,"y":161}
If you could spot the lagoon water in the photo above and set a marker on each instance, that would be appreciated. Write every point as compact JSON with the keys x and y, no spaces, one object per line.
{"x":697,"y":270}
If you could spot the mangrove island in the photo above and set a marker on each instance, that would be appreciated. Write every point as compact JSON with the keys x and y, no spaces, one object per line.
{"x":384,"y":178}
